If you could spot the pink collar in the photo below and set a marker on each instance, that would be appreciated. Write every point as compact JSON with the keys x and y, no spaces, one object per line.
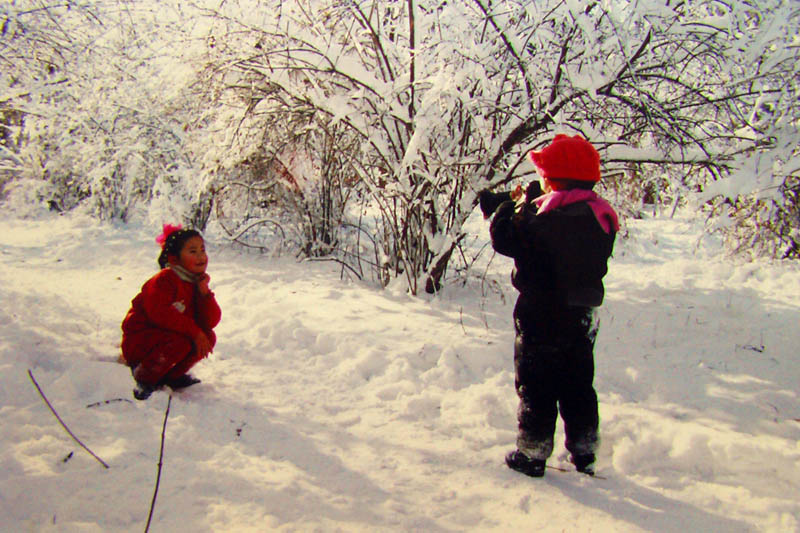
{"x":602,"y":210}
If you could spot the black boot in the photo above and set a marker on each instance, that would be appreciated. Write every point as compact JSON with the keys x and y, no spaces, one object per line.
{"x":181,"y":382}
{"x":584,"y":463}
{"x":520,"y":462}
{"x":142,"y":391}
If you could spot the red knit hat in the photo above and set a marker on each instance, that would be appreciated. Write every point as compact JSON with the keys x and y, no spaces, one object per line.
{"x":568,"y":158}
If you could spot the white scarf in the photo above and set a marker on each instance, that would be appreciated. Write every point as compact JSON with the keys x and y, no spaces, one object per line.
{"x":184,"y":274}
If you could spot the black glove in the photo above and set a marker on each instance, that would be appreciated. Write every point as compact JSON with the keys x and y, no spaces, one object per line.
{"x":505,"y":210}
{"x":489,"y":201}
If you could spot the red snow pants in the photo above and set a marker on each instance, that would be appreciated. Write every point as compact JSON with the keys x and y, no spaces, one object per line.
{"x":158,"y":354}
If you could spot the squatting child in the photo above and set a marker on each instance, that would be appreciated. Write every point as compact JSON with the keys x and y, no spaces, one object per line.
{"x":560,"y":241}
{"x":169,"y":327}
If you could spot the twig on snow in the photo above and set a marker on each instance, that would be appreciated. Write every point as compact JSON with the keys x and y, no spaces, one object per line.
{"x":160,"y":463}
{"x":107,"y":402}
{"x":71,"y":434}
{"x":752,"y":347}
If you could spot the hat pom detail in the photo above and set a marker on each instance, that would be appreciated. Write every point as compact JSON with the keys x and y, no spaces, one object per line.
{"x":166,"y":231}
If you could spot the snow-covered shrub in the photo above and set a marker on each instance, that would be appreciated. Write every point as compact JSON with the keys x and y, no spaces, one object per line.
{"x":754,"y":226}
{"x":282,"y":175}
{"x":94,"y":97}
{"x":447,"y":98}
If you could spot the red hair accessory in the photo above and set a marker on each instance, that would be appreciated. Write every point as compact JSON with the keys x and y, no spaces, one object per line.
{"x":166,"y":231}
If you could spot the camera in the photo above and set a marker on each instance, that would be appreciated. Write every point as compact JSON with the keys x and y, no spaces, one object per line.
{"x":489,"y":201}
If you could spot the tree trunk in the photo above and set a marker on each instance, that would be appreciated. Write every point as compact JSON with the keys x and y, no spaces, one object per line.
{"x":433,"y":283}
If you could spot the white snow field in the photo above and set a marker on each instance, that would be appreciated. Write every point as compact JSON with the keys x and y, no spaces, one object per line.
{"x":332,"y":405}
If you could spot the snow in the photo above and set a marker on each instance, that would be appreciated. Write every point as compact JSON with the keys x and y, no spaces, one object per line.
{"x":331,"y":405}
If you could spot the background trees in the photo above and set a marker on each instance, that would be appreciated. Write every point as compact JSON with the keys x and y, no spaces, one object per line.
{"x":363,"y":130}
{"x":102,"y":119}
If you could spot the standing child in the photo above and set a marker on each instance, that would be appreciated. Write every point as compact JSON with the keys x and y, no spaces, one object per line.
{"x":560,"y":242}
{"x":169,"y":327}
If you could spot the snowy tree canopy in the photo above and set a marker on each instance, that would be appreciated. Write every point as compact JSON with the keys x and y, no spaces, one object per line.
{"x":413,"y":106}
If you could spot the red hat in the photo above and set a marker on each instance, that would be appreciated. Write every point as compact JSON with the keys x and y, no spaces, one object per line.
{"x":568,"y":158}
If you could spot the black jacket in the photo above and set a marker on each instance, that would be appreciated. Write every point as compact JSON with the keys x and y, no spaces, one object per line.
{"x":560,"y":257}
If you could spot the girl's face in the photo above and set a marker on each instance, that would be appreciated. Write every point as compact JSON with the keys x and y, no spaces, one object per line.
{"x":193,"y":256}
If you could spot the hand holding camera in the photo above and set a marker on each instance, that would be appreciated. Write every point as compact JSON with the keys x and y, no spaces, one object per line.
{"x":489,"y":201}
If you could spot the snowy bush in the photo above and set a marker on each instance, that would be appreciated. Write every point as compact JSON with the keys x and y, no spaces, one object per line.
{"x":87,"y":105}
{"x":448,"y":98}
{"x":757,"y":227}
{"x":292,"y":184}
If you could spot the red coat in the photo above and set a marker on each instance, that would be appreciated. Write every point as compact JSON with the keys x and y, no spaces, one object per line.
{"x":170,"y":305}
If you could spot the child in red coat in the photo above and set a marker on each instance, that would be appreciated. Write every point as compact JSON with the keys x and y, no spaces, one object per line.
{"x":169,"y":327}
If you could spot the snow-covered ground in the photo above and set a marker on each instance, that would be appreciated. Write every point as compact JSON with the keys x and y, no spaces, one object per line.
{"x":330,"y":405}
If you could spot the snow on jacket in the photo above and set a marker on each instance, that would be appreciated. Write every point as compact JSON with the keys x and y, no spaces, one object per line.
{"x":167,"y":302}
{"x":560,"y":244}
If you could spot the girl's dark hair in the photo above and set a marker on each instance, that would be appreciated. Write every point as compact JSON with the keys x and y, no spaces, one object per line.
{"x":174,"y":244}
{"x":564,"y":184}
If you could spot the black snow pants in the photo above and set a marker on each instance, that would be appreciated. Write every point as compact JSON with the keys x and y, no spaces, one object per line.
{"x":554,"y":364}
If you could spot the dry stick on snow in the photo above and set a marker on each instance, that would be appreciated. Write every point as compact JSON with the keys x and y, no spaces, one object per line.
{"x":107,"y":402}
{"x":71,"y":434}
{"x":160,"y":463}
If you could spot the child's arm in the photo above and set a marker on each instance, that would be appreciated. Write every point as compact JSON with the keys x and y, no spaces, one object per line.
{"x":502,"y":230}
{"x":208,"y":311}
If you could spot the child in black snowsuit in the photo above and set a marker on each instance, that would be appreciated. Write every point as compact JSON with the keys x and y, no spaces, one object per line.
{"x":560,"y":242}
